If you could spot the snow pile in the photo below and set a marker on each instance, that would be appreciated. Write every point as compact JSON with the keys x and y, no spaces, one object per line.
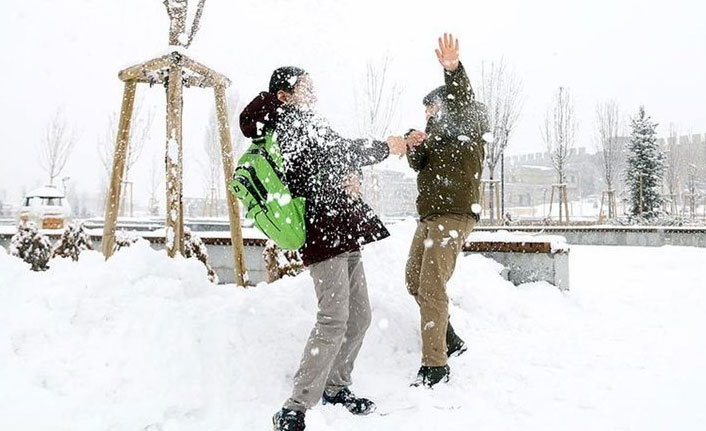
{"x":143,"y":342}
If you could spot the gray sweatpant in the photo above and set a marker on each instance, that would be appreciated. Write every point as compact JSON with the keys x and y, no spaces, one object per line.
{"x":341,"y":322}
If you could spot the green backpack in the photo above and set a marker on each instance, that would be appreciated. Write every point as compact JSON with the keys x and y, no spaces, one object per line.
{"x":259,"y":183}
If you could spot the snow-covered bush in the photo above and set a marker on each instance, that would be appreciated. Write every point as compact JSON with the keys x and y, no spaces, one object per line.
{"x":195,"y":248}
{"x":281,"y":262}
{"x":31,"y":246}
{"x":124,"y":239}
{"x":73,"y":241}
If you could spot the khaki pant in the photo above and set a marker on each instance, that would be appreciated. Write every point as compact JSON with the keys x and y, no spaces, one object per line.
{"x":341,"y":323}
{"x":432,"y":258}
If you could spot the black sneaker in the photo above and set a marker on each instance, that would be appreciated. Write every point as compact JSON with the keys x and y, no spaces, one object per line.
{"x":355,"y":405}
{"x":455,"y":346}
{"x":288,"y":420}
{"x":430,"y":376}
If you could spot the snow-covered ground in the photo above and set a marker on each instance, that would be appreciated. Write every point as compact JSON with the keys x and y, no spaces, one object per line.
{"x":142,"y":342}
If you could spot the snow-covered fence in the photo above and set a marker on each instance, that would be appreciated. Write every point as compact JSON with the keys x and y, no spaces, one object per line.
{"x":526,"y":258}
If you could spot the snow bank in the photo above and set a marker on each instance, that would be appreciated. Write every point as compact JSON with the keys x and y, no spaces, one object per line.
{"x":143,"y":342}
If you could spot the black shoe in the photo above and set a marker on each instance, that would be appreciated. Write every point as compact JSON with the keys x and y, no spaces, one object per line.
{"x":288,"y":420}
{"x":357,"y":406}
{"x":455,"y":346}
{"x":430,"y":376}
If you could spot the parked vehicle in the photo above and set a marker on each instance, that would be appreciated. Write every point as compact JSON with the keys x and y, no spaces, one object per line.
{"x":47,"y":207}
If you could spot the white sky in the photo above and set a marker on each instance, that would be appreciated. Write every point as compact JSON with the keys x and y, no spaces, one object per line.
{"x":65,"y":54}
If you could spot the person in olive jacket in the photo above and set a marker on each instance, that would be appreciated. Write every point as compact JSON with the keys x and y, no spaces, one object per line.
{"x":448,"y":157}
{"x":324,"y":168}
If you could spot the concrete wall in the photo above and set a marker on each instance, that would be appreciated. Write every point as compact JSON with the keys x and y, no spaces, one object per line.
{"x":620,"y":236}
{"x":530,"y":267}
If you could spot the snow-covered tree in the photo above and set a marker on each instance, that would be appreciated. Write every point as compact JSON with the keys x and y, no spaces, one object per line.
{"x":124,"y":239}
{"x":73,"y":241}
{"x":280,"y":263}
{"x":195,"y":248}
{"x":31,"y":246}
{"x":645,"y":167}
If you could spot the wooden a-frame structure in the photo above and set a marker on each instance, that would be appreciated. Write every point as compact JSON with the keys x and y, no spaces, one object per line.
{"x":175,"y":71}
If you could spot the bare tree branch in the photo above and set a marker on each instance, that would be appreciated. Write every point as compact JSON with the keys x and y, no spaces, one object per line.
{"x":608,"y":129}
{"x":559,"y":131}
{"x":377,"y":102}
{"x":56,"y":147}
{"x":501,"y":92}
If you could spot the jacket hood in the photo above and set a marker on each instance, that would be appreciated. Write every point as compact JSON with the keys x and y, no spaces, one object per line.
{"x":260,"y":115}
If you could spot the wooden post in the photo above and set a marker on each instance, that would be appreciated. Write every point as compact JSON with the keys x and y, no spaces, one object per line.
{"x":498,"y":209}
{"x":175,"y":227}
{"x":551,"y":203}
{"x":177,"y":21}
{"x":566,"y":201}
{"x":112,"y":204}
{"x":600,"y":211}
{"x":236,"y":234}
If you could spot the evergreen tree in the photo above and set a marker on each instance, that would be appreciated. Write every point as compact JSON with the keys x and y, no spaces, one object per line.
{"x":31,"y":246}
{"x":645,"y":166}
{"x":73,"y":241}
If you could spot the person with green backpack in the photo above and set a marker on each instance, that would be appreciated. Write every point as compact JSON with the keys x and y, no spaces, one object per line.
{"x":321,"y":171}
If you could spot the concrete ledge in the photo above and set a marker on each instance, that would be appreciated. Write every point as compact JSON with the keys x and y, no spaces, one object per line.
{"x":526,"y":258}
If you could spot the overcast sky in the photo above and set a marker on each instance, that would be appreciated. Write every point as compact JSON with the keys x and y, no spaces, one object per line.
{"x":65,"y":55}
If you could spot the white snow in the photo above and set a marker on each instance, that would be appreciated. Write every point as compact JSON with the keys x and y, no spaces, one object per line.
{"x":46,"y":192}
{"x":143,"y":342}
{"x":558,"y":243}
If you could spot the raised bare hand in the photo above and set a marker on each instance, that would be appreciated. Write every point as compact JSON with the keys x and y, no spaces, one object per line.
{"x":448,"y":52}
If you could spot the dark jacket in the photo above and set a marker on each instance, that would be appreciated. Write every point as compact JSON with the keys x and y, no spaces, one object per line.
{"x":450,"y":160}
{"x":316,"y":162}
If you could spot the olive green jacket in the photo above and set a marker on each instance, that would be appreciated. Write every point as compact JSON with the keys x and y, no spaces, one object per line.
{"x":450,"y":161}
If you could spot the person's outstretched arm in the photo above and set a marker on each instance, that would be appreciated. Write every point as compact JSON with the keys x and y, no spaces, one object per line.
{"x":458,"y":86}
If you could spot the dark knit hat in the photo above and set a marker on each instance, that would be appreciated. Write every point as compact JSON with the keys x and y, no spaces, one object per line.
{"x":260,"y":115}
{"x":437,"y":95}
{"x":285,"y":79}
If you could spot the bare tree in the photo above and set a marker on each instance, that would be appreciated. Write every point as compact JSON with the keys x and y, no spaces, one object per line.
{"x":608,"y":130}
{"x":212,"y":170}
{"x":673,"y":168}
{"x":212,"y":166}
{"x":155,"y":175}
{"x":501,"y":92}
{"x":559,"y":132}
{"x":377,"y":101}
{"x":56,"y":147}
{"x":376,"y":104}
{"x":140,"y":129}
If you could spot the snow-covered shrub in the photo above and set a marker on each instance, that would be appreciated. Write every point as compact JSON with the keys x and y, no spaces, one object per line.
{"x":124,"y":239}
{"x":73,"y":241}
{"x":31,"y":246}
{"x":281,"y":262}
{"x":195,"y":248}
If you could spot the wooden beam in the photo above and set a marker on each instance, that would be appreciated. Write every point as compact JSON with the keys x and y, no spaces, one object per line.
{"x":190,"y":81}
{"x":233,"y":208}
{"x":141,"y":70}
{"x":507,"y":247}
{"x":175,"y":227}
{"x":202,"y":70}
{"x":121,"y":145}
